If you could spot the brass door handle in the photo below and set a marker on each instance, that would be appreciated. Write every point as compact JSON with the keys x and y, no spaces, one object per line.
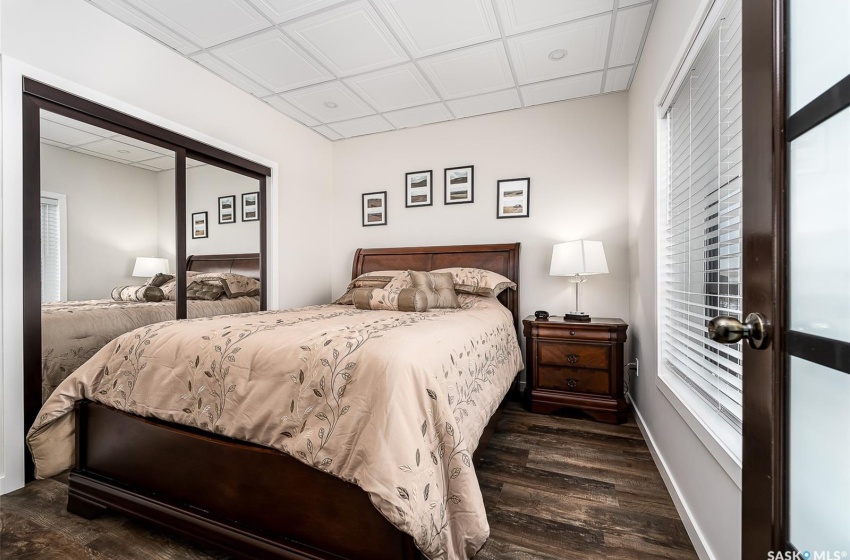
{"x":571,"y":383}
{"x":729,"y":330}
{"x":572,"y":358}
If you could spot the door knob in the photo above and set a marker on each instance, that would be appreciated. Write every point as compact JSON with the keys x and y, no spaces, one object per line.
{"x":729,"y":330}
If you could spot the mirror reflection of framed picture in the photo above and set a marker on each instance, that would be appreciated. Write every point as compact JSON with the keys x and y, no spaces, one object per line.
{"x":250,"y":206}
{"x":375,"y":209}
{"x":512,"y":198}
{"x":459,"y":185}
{"x":227,"y":209}
{"x":418,"y":189}
{"x":200,"y":228}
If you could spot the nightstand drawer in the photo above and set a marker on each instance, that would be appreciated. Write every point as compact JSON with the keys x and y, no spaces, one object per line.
{"x":573,"y":380}
{"x":573,"y":355}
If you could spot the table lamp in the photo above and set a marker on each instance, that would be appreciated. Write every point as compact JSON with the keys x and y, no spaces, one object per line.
{"x":150,"y":266}
{"x":576,"y":260}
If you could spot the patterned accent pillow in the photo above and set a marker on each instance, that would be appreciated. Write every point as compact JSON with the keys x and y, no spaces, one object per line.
{"x":478,"y":281}
{"x":377,"y":279}
{"x":209,"y":291}
{"x":438,"y":286}
{"x":408,"y":299}
{"x":235,"y":285}
{"x":159,"y":279}
{"x":137,"y":293}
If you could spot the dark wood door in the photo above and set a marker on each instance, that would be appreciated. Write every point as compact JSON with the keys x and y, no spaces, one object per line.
{"x":796,"y":391}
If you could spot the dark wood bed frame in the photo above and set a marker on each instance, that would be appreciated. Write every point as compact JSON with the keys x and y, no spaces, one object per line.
{"x":246,"y":500}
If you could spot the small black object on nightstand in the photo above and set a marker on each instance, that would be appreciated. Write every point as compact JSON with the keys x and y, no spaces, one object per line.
{"x":577,"y":316}
{"x":541,"y":315}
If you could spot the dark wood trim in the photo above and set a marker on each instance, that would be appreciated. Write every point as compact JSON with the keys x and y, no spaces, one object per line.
{"x":827,"y":352}
{"x":180,"y":228}
{"x":246,"y":264}
{"x":430,"y":173}
{"x":31,"y":268}
{"x":471,"y":200}
{"x":764,"y":108}
{"x":262,"y":203}
{"x":216,"y":155}
{"x":826,"y":105}
{"x":199,"y":156}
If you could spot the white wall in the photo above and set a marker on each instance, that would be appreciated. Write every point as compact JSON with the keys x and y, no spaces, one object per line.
{"x":576,"y":156}
{"x":75,"y":46}
{"x":112,"y":218}
{"x":708,"y":499}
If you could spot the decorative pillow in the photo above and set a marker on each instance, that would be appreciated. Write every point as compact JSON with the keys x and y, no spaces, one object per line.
{"x":137,"y":293}
{"x":478,"y":281}
{"x":159,"y":279}
{"x":205,"y":290}
{"x":235,"y":285}
{"x":439,"y":288}
{"x":377,"y":279}
{"x":408,"y":299}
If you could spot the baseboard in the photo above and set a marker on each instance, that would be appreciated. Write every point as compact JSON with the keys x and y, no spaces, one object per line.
{"x":697,"y":538}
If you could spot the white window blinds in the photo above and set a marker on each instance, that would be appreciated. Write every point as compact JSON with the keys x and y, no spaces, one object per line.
{"x":51,"y":250}
{"x":700,"y":225}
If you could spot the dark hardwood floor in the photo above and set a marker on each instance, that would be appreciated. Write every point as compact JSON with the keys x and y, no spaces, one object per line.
{"x":556,"y":488}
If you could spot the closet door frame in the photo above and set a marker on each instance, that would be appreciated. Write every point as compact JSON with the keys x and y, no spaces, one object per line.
{"x":38,"y":96}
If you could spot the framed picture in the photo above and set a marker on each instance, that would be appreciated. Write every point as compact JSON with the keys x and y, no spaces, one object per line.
{"x":199,"y":225}
{"x":250,"y":206}
{"x":418,"y":189}
{"x":227,"y":209}
{"x":459,"y":185}
{"x":512,"y":198}
{"x":375,"y":209}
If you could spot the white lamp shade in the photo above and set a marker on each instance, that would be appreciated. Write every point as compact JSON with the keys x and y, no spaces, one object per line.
{"x":580,"y":258}
{"x":150,"y":266}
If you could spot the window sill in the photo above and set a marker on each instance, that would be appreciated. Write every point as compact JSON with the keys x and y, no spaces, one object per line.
{"x":696,"y":414}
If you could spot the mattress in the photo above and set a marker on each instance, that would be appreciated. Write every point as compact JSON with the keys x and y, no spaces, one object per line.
{"x":393,"y":402}
{"x":73,"y":331}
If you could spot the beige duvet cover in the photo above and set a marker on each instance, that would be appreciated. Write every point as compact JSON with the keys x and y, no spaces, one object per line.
{"x":393,"y":402}
{"x":73,"y":331}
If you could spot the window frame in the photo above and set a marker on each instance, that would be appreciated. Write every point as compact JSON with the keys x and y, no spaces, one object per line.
{"x":62,"y":203}
{"x":697,"y":414}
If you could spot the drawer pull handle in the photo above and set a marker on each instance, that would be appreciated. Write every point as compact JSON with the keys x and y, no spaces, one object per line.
{"x":572,"y":383}
{"x":572,"y":358}
{"x":573,"y":333}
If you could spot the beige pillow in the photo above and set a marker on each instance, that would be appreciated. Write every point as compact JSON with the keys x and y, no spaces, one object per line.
{"x":235,"y":285}
{"x":439,"y":288}
{"x":377,"y":279}
{"x":478,"y":281}
{"x":137,"y":293}
{"x":408,"y":299}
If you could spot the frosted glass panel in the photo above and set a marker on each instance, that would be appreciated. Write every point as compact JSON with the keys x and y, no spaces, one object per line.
{"x":819,"y":233}
{"x":819,"y":48}
{"x":819,"y":457}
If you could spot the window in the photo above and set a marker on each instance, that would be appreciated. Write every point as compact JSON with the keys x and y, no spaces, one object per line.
{"x":53,"y":248}
{"x":700,"y":226}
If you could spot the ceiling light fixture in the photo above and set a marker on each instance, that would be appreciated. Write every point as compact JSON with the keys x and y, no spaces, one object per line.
{"x":557,"y":54}
{"x":331,"y":105}
{"x":123,"y":151}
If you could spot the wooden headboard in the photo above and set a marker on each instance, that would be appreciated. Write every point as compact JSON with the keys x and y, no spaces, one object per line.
{"x":502,"y":258}
{"x":246,"y":264}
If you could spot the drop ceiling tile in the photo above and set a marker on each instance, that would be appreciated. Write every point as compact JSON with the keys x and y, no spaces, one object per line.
{"x":350,"y":39}
{"x":272,"y":60}
{"x":359,"y":127}
{"x":437,"y":26}
{"x":215,"y":22}
{"x":526,"y":15}
{"x":312,"y":101}
{"x":190,"y":163}
{"x":73,"y":123}
{"x":417,"y":116}
{"x":160,"y":163}
{"x":470,"y":71}
{"x":327,"y":132}
{"x":583,"y":45}
{"x":54,"y":143}
{"x":482,"y":104}
{"x":119,"y":150}
{"x":61,"y":133}
{"x":393,"y":88}
{"x":290,"y":111}
{"x":617,"y":79}
{"x":280,"y":11}
{"x":146,"y":167}
{"x":146,"y":25}
{"x":629,"y":30}
{"x":143,"y":145}
{"x":627,"y":3}
{"x":229,"y":74}
{"x":99,"y":155}
{"x":562,"y":89}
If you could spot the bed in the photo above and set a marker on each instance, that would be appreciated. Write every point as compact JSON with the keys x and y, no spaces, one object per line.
{"x":411,"y":492}
{"x":72,"y":332}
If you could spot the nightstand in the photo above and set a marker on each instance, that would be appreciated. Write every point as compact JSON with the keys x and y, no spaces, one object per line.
{"x":577,"y":365}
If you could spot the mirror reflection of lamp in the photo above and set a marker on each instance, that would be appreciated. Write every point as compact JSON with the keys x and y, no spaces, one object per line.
{"x":146,"y":267}
{"x":576,"y":260}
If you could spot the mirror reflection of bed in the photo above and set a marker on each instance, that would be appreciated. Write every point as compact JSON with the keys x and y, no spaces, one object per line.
{"x":108,"y":247}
